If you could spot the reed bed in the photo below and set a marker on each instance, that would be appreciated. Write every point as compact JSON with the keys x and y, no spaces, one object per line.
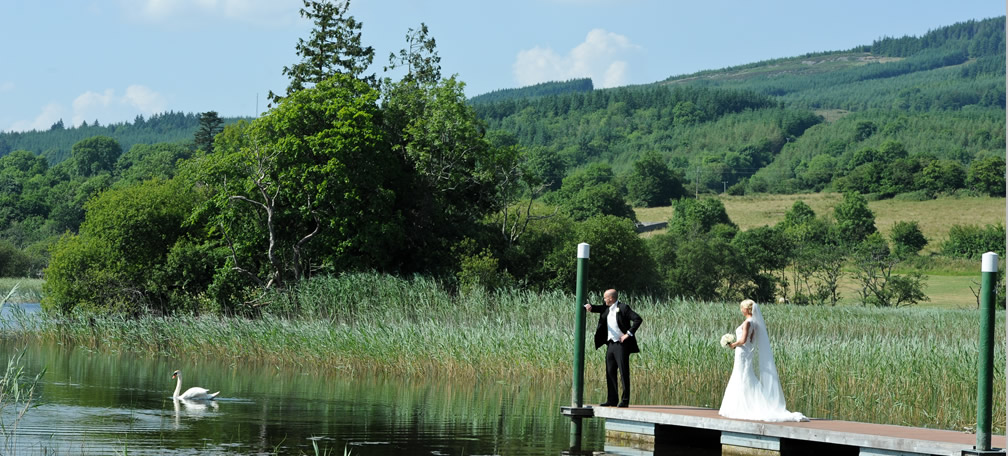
{"x":22,"y":289}
{"x":914,"y":366}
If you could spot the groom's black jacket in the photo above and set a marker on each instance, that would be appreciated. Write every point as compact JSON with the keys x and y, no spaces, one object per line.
{"x":627,"y":320}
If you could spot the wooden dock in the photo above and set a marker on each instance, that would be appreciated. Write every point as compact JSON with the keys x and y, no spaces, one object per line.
{"x":646,"y":429}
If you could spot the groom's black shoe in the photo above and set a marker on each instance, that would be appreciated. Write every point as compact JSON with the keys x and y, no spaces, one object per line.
{"x":624,"y":404}
{"x":607,"y":404}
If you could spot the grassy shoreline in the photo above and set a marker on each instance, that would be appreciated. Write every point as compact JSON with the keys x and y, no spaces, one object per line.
{"x":914,"y":366}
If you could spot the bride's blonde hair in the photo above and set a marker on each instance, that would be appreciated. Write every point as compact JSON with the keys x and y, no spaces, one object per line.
{"x":747,"y":305}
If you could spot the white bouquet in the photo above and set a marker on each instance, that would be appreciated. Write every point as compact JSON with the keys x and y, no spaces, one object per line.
{"x":727,"y":339}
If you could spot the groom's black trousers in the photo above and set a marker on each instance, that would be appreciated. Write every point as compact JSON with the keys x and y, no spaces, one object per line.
{"x":617,"y":358}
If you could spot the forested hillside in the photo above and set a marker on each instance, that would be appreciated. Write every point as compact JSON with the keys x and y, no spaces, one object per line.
{"x":948,"y":68}
{"x":935,"y":102}
{"x":537,"y":90}
{"x":619,"y":126}
{"x":55,"y":143}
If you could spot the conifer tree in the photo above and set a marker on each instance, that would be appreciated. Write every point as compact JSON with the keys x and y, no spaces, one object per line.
{"x":210,"y":124}
{"x":334,"y":46}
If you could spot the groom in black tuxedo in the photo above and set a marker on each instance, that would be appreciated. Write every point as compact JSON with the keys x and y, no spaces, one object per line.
{"x":616,"y":328}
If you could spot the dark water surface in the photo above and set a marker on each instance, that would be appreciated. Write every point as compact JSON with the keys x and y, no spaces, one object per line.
{"x":98,"y":403}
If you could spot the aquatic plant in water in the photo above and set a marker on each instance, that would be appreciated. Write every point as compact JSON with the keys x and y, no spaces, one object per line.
{"x":16,"y":394}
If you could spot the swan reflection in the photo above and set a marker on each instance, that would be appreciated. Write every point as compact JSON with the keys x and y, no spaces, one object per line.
{"x":192,"y":409}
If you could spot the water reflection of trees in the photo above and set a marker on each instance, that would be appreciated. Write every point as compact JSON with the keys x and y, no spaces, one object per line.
{"x":121,"y":397}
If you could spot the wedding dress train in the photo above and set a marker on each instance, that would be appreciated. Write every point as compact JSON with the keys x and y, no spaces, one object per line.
{"x":752,"y":397}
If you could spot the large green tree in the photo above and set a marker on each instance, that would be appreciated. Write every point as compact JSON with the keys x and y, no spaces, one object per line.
{"x":148,"y":161}
{"x":615,"y":248}
{"x":306,"y":187}
{"x":816,"y":258}
{"x":943,"y":176}
{"x":690,"y":266}
{"x":761,"y":252}
{"x":874,"y":265}
{"x":698,"y":215}
{"x":333,"y":47}
{"x":456,"y":176}
{"x":95,"y":155}
{"x":593,"y":191}
{"x":907,"y":239}
{"x":113,"y":263}
{"x":987,"y":175}
{"x":855,"y":221}
{"x":17,"y":198}
{"x":209,"y":125}
{"x":419,"y":58}
{"x":652,"y":182}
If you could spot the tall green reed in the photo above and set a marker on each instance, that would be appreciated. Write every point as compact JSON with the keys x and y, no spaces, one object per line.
{"x":914,"y":366}
{"x":17,"y":393}
{"x":10,"y":294}
{"x":22,"y":289}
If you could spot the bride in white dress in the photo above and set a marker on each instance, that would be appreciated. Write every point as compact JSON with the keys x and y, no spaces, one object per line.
{"x":748,"y":396}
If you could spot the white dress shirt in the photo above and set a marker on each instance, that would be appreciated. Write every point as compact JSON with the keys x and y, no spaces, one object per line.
{"x":614,"y":331}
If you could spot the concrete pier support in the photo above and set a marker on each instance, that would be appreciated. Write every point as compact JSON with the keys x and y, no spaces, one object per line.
{"x":877,"y":452}
{"x":630,"y":432}
{"x":735,"y":444}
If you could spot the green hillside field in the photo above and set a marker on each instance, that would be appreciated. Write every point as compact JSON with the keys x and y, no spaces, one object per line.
{"x":949,"y":281}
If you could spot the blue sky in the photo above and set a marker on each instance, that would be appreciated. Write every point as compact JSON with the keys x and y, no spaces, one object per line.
{"x":111,"y":60}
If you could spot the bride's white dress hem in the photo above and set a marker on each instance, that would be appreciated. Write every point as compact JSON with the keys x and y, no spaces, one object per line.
{"x":752,"y":397}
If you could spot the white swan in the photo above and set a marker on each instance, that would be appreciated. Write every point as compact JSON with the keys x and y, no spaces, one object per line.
{"x":192,"y":394}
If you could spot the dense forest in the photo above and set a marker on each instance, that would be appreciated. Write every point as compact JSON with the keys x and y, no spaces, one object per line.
{"x":795,"y":124}
{"x":55,"y":144}
{"x":537,"y":90}
{"x":350,"y":171}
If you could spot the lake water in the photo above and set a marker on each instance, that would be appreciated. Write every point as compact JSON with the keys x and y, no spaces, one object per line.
{"x":99,"y":403}
{"x":8,"y":311}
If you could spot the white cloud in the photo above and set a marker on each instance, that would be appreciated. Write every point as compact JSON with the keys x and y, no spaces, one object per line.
{"x":602,"y":56}
{"x":615,"y":75}
{"x":51,"y":114}
{"x":144,"y":99}
{"x":106,"y":107}
{"x":249,"y":11}
{"x":91,"y":100}
{"x":157,"y":8}
{"x":6,"y":86}
{"x":110,"y":107}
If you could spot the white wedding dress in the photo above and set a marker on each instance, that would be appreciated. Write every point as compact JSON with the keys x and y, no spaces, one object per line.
{"x":752,"y":397}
